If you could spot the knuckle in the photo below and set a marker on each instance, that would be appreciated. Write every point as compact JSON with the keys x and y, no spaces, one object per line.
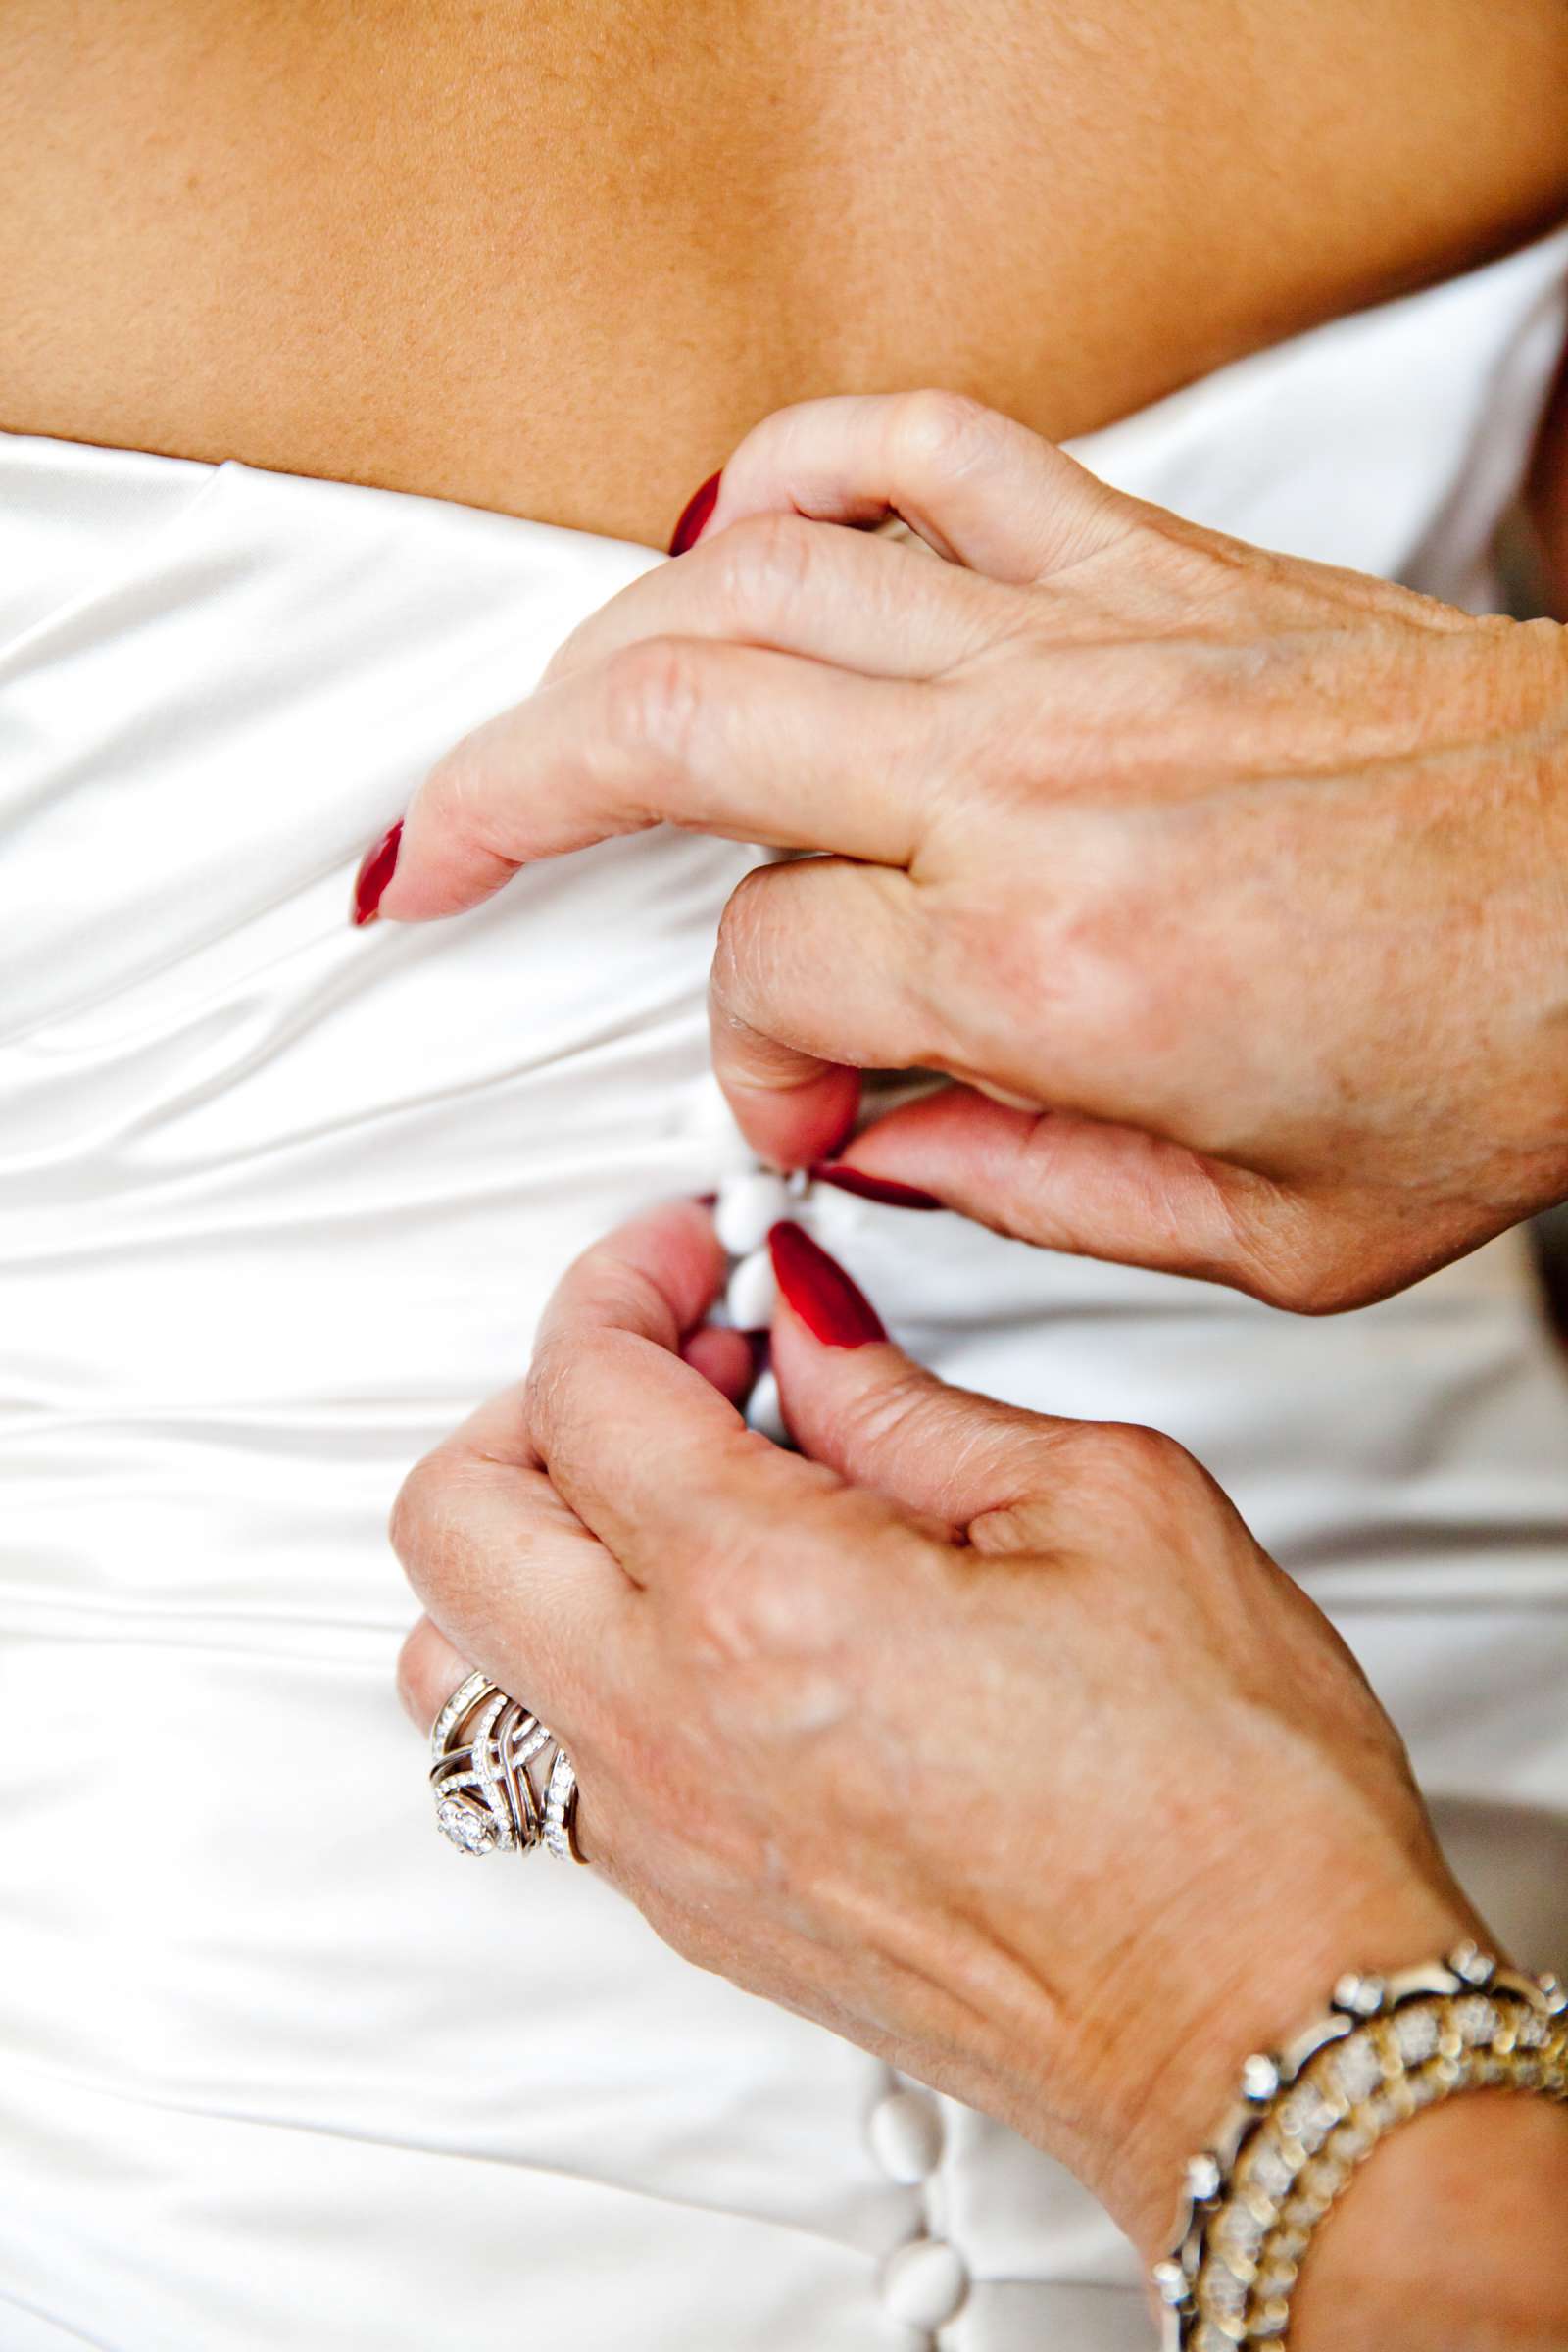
{"x":941,"y":436}
{"x":1097,"y":947}
{"x":778,"y":1609}
{"x":1288,"y":1257}
{"x":987,"y":960}
{"x":1019,"y":781}
{"x":431,"y":1521}
{"x":1122,"y":1463}
{"x":416,"y":1509}
{"x":766,"y":566}
{"x":1147,"y":1456}
{"x":725,"y":1600}
{"x":651,"y":697}
{"x":1302,"y":1286}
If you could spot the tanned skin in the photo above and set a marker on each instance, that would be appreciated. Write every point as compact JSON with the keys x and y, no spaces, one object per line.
{"x":555,"y":259}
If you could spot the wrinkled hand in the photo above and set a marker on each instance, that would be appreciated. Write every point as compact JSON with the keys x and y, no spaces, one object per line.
{"x":1232,"y":890}
{"x":992,"y":1741}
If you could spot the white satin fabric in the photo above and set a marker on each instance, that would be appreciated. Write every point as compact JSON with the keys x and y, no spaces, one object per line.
{"x":279,"y":1201}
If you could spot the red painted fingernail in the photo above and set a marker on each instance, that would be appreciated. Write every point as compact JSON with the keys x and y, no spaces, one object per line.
{"x":375,"y":873}
{"x":829,"y":1304}
{"x":885,"y":1189}
{"x":694,"y":515}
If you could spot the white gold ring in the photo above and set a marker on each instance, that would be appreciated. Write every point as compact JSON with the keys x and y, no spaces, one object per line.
{"x":484,"y":1748}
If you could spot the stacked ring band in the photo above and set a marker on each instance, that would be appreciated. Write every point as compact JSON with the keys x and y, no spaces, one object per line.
{"x":561,"y":1810}
{"x":485,"y":1746}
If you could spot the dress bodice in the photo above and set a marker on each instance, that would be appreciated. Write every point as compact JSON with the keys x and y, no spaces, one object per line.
{"x":278,"y":1203}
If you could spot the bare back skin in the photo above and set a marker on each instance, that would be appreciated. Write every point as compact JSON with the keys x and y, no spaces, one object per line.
{"x":555,"y":259}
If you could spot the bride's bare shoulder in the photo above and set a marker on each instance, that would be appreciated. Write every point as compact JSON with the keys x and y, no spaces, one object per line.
{"x":555,"y":259}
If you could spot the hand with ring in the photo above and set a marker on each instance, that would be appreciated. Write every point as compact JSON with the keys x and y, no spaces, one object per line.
{"x":1226,"y":889}
{"x":993,"y":1742}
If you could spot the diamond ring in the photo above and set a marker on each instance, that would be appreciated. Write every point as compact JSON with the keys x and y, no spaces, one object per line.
{"x":485,"y":1746}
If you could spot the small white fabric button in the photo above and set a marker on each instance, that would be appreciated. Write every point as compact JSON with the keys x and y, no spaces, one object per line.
{"x":906,"y":2133}
{"x":747,"y":1206}
{"x":764,"y":1411}
{"x":924,"y":2283}
{"x":753,"y":1293}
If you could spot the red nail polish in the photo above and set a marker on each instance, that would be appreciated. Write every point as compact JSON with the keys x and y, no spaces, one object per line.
{"x":820,"y":1292}
{"x":694,"y":515}
{"x":375,"y":873}
{"x":885,"y":1189}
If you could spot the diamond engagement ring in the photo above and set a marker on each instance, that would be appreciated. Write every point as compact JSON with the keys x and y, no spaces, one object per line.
{"x":483,"y":1749}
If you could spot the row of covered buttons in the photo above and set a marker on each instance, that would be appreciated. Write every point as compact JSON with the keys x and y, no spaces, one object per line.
{"x":923,"y":2282}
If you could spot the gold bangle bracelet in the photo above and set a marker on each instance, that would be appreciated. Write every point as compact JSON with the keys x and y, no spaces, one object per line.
{"x":1387,"y":2048}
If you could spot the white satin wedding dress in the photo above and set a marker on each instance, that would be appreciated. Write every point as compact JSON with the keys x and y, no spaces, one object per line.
{"x":279,"y":1201}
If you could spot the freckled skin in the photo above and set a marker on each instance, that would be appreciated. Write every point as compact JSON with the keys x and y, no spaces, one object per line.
{"x":1228,"y":888}
{"x":1178,"y":1805}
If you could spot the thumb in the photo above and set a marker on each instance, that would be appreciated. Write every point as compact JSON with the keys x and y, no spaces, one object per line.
{"x":972,"y":483}
{"x":858,"y":1403}
{"x":1067,"y":1182}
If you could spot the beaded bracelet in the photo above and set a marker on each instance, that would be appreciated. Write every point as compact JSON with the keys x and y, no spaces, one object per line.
{"x":1387,"y":2048}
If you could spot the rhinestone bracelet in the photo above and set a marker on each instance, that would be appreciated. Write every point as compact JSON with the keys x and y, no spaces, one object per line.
{"x":1389,"y":2048}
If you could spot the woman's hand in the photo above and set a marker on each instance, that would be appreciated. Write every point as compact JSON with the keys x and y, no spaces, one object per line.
{"x":992,"y":1741}
{"x":1232,"y":890}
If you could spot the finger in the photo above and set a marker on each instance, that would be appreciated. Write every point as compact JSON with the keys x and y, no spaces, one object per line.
{"x":430,"y":1670}
{"x":972,"y":483}
{"x":880,"y":1420}
{"x":1081,"y":1185}
{"x":818,"y":972}
{"x":846,"y":597}
{"x":732,"y":740}
{"x":512,"y":1577}
{"x":727,"y":1360}
{"x":639,"y":1445}
{"x":653,"y":1279}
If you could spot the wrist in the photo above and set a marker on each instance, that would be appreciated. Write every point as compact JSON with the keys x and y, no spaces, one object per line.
{"x":1249,"y":1984}
{"x":1459,"y":2246}
{"x":1552,"y":786}
{"x":1450,"y":2240}
{"x":1531,"y":1108}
